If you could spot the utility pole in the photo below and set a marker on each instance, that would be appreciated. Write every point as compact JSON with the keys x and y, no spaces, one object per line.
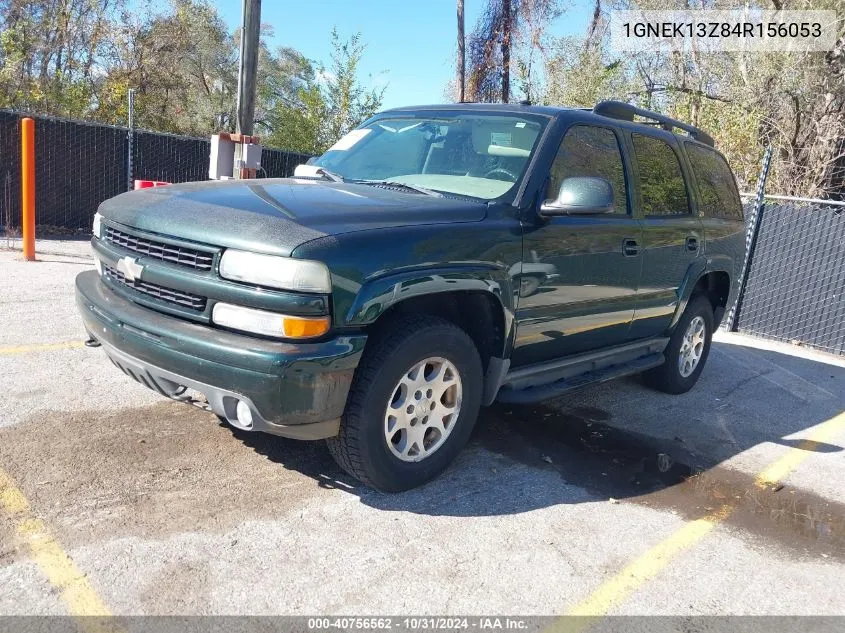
{"x":506,"y":50}
{"x":130,"y":146}
{"x":461,"y":53}
{"x":248,"y":66}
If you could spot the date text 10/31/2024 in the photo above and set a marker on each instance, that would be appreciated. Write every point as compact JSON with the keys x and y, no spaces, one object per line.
{"x":417,"y":623}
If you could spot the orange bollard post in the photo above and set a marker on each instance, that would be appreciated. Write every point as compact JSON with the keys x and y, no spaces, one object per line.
{"x":28,"y":187}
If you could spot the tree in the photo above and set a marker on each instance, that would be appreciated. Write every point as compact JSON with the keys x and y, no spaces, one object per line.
{"x":795,"y":101}
{"x":462,"y":62}
{"x":79,"y":58}
{"x":507,"y":25}
{"x":182,"y":63}
{"x":330,"y":103}
{"x":49,"y":50}
{"x":503,"y":26}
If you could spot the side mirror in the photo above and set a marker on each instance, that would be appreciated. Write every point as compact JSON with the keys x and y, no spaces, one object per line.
{"x":581,"y":195}
{"x":306,"y":170}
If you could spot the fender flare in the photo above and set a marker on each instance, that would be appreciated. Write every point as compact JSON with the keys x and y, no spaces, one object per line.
{"x":697,"y":270}
{"x":378,"y":295}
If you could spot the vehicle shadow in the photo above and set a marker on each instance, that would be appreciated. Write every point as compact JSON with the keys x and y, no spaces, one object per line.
{"x":618,"y":440}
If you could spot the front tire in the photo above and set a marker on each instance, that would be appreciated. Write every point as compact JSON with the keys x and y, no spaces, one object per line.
{"x":412,"y":405}
{"x":687,"y":350}
{"x":528,"y":285}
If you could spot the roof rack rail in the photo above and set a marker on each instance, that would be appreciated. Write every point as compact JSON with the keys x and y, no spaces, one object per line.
{"x":627,"y":112}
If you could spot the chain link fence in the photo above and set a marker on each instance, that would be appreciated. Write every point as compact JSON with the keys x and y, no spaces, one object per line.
{"x":277,"y":163}
{"x":78,"y":165}
{"x":795,"y":288}
{"x":10,"y":171}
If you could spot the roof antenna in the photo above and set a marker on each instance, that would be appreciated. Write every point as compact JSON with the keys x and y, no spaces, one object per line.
{"x":525,"y":102}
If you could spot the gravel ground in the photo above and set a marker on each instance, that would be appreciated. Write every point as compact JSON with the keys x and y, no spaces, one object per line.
{"x":166,"y":511}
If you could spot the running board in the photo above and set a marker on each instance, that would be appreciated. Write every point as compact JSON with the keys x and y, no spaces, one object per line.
{"x":546,"y":391}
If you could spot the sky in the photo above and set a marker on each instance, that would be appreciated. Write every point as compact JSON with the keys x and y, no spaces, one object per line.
{"x":410,"y":44}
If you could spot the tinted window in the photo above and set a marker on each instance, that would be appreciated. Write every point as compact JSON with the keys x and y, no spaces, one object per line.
{"x":716,"y":184}
{"x":661,"y":180}
{"x":590,"y":151}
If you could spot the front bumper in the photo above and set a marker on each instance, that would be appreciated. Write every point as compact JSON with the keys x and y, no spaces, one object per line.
{"x":295,"y":390}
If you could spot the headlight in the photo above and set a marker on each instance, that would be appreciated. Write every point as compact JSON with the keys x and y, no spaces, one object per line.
{"x":97,"y":228}
{"x":276,"y":272}
{"x":268,"y":323}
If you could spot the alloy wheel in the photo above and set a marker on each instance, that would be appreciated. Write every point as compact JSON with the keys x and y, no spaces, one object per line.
{"x":692,"y":346}
{"x":423,"y":409}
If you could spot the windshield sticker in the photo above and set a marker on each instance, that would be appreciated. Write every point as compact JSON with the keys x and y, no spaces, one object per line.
{"x":521,"y":124}
{"x":349,"y":140}
{"x":502,"y":139}
{"x":400,"y":130}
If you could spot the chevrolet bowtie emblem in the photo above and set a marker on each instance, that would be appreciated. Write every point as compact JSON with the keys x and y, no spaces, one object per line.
{"x":130,"y":268}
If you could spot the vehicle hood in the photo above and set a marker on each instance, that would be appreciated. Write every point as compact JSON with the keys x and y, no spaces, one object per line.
{"x":275,"y":216}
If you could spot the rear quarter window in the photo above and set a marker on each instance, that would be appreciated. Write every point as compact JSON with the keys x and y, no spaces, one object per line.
{"x":717,"y":192}
{"x":662,"y":187}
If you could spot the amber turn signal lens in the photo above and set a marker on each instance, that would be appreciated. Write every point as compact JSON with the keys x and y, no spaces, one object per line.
{"x":301,"y":327}
{"x":268,"y":323}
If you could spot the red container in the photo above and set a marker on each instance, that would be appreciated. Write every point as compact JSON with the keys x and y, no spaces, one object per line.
{"x":145,"y":184}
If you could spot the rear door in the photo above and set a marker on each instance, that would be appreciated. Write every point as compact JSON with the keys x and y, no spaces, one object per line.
{"x":720,"y":204}
{"x":673,"y":239}
{"x":579,"y":273}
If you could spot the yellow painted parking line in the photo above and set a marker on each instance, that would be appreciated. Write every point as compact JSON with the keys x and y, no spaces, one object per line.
{"x":778,"y":470}
{"x":39,"y":347}
{"x":637,"y":573}
{"x":60,"y":570}
{"x":616,"y":590}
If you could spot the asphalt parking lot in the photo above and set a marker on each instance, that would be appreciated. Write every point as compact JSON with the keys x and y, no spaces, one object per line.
{"x":615,"y":500}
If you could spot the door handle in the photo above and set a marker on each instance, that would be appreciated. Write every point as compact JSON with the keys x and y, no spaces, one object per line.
{"x":630,"y":248}
{"x":692,"y":244}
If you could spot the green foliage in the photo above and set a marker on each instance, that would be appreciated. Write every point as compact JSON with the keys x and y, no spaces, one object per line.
{"x":79,"y":58}
{"x":330,"y":103}
{"x":48,"y":50}
{"x":795,"y":101}
{"x":580,"y":74}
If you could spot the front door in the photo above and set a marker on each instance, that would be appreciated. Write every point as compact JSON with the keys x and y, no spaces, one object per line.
{"x":672,"y":235}
{"x":579,"y":274}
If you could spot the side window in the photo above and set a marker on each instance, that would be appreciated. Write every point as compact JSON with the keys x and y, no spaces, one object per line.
{"x":716,"y":184}
{"x":662,"y":185}
{"x":590,"y":151}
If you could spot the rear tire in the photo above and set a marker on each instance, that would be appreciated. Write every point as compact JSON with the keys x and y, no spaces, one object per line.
{"x":397,"y":431}
{"x":687,"y":351}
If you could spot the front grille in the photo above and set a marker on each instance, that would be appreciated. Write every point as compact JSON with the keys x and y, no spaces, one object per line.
{"x":199,"y":260}
{"x":178,"y":297}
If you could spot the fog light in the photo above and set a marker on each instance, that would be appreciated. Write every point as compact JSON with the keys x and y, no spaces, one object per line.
{"x":244,"y":414}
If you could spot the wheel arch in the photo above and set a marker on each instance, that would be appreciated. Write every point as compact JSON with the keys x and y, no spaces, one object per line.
{"x":713,"y":281}
{"x":481,"y":302}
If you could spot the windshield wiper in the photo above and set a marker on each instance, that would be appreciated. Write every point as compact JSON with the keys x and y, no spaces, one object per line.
{"x":330,"y":175}
{"x":316,"y":171}
{"x":402,"y":185}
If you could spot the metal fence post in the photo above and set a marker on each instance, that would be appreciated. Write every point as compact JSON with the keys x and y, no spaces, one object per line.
{"x":751,"y":238}
{"x":131,"y":141}
{"x":28,"y":187}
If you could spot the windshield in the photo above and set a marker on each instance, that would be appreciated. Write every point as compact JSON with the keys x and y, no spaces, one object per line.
{"x":476,"y":155}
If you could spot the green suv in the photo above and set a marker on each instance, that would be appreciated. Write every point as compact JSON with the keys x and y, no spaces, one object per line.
{"x":433,"y":261}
